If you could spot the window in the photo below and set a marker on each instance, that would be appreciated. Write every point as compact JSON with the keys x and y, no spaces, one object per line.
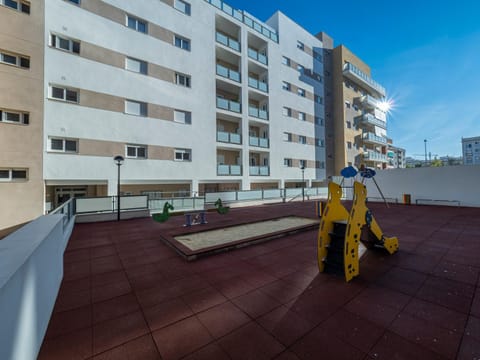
{"x":321,"y":164}
{"x":182,"y":6}
{"x":136,"y":65}
{"x":136,"y":24}
{"x":319,"y":120}
{"x":285,"y":85}
{"x":135,"y":108}
{"x":300,"y":68}
{"x":14,"y":117}
{"x":16,"y":60}
{"x":318,"y":99}
{"x":75,"y":1}
{"x":317,"y":56}
{"x":302,"y":139}
{"x":349,"y":144}
{"x":349,"y":124}
{"x":317,"y":77}
{"x":63,"y":145}
{"x":64,"y":94}
{"x":13,"y":174}
{"x":183,"y":155}
{"x":65,"y":43}
{"x":136,"y":151}
{"x":287,"y":137}
{"x":301,"y":92}
{"x":300,"y":45}
{"x":287,"y":162}
{"x":23,"y":6}
{"x":320,"y":143}
{"x":182,"y":79}
{"x":347,"y":104}
{"x":181,"y":43}
{"x":302,"y":116}
{"x":285,"y":61}
{"x":183,"y":117}
{"x":287,"y":111}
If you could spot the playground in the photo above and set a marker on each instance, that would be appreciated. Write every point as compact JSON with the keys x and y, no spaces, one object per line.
{"x":126,"y":291}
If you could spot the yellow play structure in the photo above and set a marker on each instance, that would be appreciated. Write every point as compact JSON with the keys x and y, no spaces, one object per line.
{"x":342,"y":231}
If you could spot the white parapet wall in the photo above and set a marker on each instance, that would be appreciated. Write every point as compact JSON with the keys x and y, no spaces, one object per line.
{"x":448,"y":185}
{"x":31,"y":270}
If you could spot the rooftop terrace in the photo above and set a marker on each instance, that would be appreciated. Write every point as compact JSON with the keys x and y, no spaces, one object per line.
{"x":127,"y":295}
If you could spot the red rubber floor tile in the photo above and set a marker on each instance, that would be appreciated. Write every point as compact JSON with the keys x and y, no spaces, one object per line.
{"x":469,"y":349}
{"x":64,"y":322}
{"x":203,"y":299}
{"x":222,"y":319}
{"x":256,"y":303}
{"x":166,"y":313}
{"x":116,"y":307}
{"x":76,"y":345}
{"x":209,"y":352}
{"x":142,"y":348}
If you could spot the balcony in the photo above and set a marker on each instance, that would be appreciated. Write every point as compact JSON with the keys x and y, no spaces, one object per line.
{"x":358,"y":76}
{"x":259,"y":170}
{"x":228,"y":41}
{"x":259,"y":142}
{"x":226,"y":170}
{"x":229,"y":105}
{"x":227,"y":137}
{"x":375,"y":139}
{"x":257,"y":113}
{"x":254,"y":83}
{"x":370,"y":119}
{"x":375,"y":156}
{"x":368,"y":102}
{"x":228,"y":73}
{"x":255,"y":55}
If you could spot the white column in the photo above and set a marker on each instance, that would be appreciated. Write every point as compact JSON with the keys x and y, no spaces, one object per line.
{"x":112,"y":187}
{"x":194,"y":187}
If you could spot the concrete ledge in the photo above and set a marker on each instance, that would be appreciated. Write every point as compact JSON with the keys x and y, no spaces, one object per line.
{"x":111,"y":216}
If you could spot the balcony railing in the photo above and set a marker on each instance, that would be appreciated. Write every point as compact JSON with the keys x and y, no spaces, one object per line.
{"x":375,"y":156}
{"x":255,"y":55}
{"x":228,"y":41}
{"x":357,"y":75}
{"x":372,"y":120}
{"x":256,"y":112}
{"x":371,"y":137}
{"x":260,"y":142}
{"x":259,"y":170}
{"x":254,"y":83}
{"x":368,"y":101}
{"x":228,"y":73}
{"x":227,"y":137}
{"x":229,"y":105}
{"x":229,"y":170}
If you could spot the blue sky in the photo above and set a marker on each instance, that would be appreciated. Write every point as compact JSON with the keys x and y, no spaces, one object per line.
{"x":426,"y":53}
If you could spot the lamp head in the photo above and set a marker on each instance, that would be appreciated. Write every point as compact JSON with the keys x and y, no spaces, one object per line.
{"x":119,"y":159}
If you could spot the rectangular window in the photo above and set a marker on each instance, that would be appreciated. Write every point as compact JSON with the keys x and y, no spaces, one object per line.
{"x":182,"y":6}
{"x":183,"y":117}
{"x":347,"y":104}
{"x":135,"y":108}
{"x":182,"y":79}
{"x":285,"y":61}
{"x":301,"y":92}
{"x":287,"y":162}
{"x":317,"y":56}
{"x":64,"y":94}
{"x":16,"y":60}
{"x":319,"y":120}
{"x":15,"y":117}
{"x":8,"y":175}
{"x":65,"y":43}
{"x":136,"y":65}
{"x":318,"y":99}
{"x":349,"y":124}
{"x":63,"y":145}
{"x":136,"y":24}
{"x":300,"y":45}
{"x":136,"y":151}
{"x":181,"y":43}
{"x":23,"y":6}
{"x":75,"y":1}
{"x":183,"y":155}
{"x":349,"y":144}
{"x":285,"y":85}
{"x":302,"y":139}
{"x":300,"y":68}
{"x":320,"y":143}
{"x":287,"y":111}
{"x":321,"y":164}
{"x":302,"y":116}
{"x":287,"y":136}
{"x":302,"y":163}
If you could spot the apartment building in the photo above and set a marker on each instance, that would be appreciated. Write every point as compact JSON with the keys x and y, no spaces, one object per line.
{"x":197,"y":97}
{"x":396,"y":156}
{"x":359,"y":121}
{"x":471,"y":150}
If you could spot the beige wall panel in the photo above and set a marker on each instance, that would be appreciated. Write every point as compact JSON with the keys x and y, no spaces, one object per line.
{"x":161,"y":73}
{"x":168,"y":2}
{"x":166,"y":188}
{"x":100,"y":148}
{"x":160,"y":112}
{"x":103,"y":55}
{"x":160,"y":152}
{"x":310,"y":141}
{"x":160,"y":33}
{"x":308,"y":50}
{"x":311,"y":164}
{"x":295,"y":163}
{"x":105,"y":10}
{"x":259,"y":186}
{"x":101,"y":101}
{"x":23,"y":26}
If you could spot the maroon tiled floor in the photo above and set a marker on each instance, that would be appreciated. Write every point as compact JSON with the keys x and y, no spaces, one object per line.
{"x":126,"y":295}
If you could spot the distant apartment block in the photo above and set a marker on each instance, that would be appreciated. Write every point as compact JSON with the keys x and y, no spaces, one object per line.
{"x":396,"y":156}
{"x":471,"y":150}
{"x":197,"y":96}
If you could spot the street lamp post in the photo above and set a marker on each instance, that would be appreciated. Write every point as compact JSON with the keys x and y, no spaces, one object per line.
{"x":119,"y":162}
{"x":303,"y":182}
{"x":425,"y":141}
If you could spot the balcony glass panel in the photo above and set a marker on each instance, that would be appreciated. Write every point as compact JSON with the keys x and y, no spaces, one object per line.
{"x":262,"y":114}
{"x":253,"y":54}
{"x":263,"y":59}
{"x":253,"y":82}
{"x":235,"y":138}
{"x":228,"y":73}
{"x":228,"y":105}
{"x":374,"y":138}
{"x":222,"y":136}
{"x":254,"y":170}
{"x":253,"y":111}
{"x":263,"y":142}
{"x":262,"y":86}
{"x":235,"y":106}
{"x":222,"y":39}
{"x":253,"y":141}
{"x":264,"y":170}
{"x":223,"y":169}
{"x":222,"y":103}
{"x":235,"y":169}
{"x":222,"y":71}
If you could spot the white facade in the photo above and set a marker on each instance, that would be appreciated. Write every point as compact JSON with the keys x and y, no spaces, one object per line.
{"x":95,"y":125}
{"x":471,"y":150}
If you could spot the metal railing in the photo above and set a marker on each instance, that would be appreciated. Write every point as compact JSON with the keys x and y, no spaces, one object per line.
{"x":229,"y":105}
{"x":227,"y":41}
{"x":259,"y":170}
{"x":68,"y":209}
{"x":256,"y":84}
{"x":228,"y":73}
{"x":256,"y":112}
{"x":255,"y":55}
{"x":223,"y":169}
{"x":106,"y":204}
{"x":227,"y":137}
{"x":256,"y":141}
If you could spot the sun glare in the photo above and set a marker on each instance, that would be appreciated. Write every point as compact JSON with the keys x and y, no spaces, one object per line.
{"x":386,"y":105}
